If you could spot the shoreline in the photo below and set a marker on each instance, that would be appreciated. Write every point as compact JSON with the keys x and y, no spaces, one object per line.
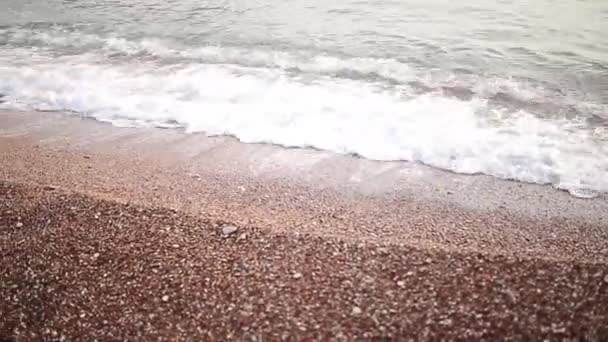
{"x":301,"y":191}
{"x":113,"y":233}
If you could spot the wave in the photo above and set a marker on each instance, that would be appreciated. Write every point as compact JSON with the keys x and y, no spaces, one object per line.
{"x":69,"y":39}
{"x":464,"y":134}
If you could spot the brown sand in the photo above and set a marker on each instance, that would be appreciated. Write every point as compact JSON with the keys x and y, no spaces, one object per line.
{"x":329,"y":245}
{"x":76,"y":268}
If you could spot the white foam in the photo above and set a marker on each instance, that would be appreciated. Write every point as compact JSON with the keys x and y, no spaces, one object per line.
{"x":269,"y":105}
{"x":392,"y":70}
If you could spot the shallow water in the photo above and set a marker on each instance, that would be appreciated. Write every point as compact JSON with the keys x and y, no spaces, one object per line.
{"x":513,"y":89}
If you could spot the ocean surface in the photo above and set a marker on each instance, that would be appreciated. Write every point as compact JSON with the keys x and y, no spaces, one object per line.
{"x":515,"y":89}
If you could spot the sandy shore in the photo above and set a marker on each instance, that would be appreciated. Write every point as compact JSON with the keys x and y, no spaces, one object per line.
{"x":78,"y":268}
{"x":115,"y":232}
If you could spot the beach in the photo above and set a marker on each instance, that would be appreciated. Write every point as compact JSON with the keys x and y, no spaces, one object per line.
{"x":121,"y":233}
{"x":303,"y":170}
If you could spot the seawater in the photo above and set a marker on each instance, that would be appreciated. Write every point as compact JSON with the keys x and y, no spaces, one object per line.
{"x":513,"y":89}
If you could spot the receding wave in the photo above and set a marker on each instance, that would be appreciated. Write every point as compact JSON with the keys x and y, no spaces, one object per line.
{"x":391,"y":72}
{"x":259,"y":102}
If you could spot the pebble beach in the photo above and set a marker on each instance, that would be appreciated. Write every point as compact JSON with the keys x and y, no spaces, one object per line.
{"x":95,"y":245}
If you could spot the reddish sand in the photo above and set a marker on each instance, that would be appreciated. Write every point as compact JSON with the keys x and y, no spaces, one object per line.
{"x":98,"y":224}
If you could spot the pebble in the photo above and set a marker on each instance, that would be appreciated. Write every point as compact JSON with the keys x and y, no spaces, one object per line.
{"x":356,"y":311}
{"x":165,"y":298}
{"x":50,"y":187}
{"x":297,"y":275}
{"x":446,"y":322}
{"x":401,"y":283}
{"x":229,"y":230}
{"x":19,"y":224}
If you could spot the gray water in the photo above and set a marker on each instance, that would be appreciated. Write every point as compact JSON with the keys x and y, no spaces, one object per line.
{"x":515,"y":89}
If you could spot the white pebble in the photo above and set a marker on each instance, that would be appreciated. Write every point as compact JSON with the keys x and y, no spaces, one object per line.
{"x":229,"y":230}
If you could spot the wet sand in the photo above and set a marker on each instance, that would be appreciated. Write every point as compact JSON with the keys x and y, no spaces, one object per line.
{"x":115,"y":219}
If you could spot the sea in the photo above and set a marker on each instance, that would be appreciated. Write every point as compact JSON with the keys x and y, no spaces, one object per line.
{"x":514,"y":89}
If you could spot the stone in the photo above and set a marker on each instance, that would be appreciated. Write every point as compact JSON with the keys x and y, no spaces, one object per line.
{"x":356,"y":311}
{"x":49,"y":187}
{"x":228,"y":230}
{"x":19,"y":224}
{"x":297,"y":275}
{"x":446,"y":322}
{"x":165,"y":298}
{"x":401,"y":283}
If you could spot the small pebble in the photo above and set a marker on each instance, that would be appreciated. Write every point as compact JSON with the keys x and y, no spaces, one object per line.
{"x":356,"y":311}
{"x":165,"y":298}
{"x":446,"y":322}
{"x":19,"y":224}
{"x":229,"y":230}
{"x":297,"y":275}
{"x":401,"y":283}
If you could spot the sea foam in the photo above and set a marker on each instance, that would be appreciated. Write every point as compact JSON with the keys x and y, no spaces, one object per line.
{"x":259,"y":100}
